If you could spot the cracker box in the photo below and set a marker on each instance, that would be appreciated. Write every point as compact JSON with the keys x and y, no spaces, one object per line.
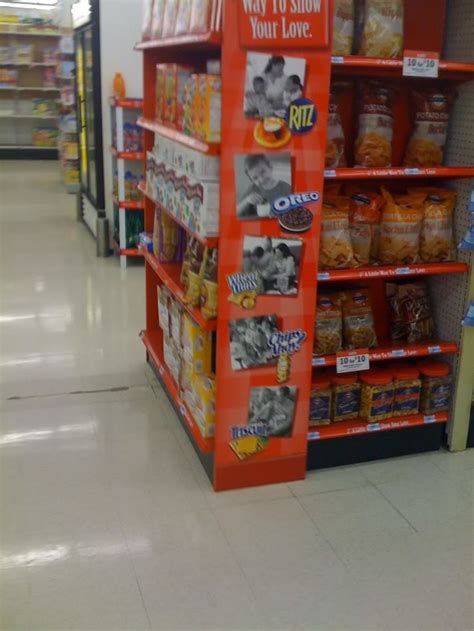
{"x":171,"y":357}
{"x":164,"y":298}
{"x":160,"y":91}
{"x":164,"y":149}
{"x":176,"y":314}
{"x":210,"y":105}
{"x":196,"y":345}
{"x":204,"y":408}
{"x":150,"y":174}
{"x":176,"y":77}
{"x":190,"y":98}
{"x":195,"y":163}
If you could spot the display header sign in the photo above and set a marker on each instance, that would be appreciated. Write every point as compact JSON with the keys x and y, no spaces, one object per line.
{"x":284,"y":23}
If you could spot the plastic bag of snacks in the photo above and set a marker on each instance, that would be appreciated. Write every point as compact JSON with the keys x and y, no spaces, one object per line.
{"x":192,"y":260}
{"x":382,"y":34}
{"x":436,"y":243}
{"x":328,"y":325}
{"x":373,"y":146}
{"x":335,"y":147}
{"x":209,"y":296}
{"x":343,"y":34}
{"x":365,"y":206}
{"x":410,"y":312}
{"x":335,"y":247}
{"x":400,"y":229}
{"x":358,"y":319}
{"x":183,"y":17}
{"x":426,"y":145}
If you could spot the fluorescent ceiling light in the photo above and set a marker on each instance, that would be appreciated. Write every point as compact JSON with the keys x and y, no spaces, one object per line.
{"x":22,"y":2}
{"x":28,"y":5}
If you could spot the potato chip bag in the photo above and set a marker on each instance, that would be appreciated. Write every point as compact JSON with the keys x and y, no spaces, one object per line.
{"x":400,"y":229}
{"x":382,"y":34}
{"x":335,"y":246}
{"x":335,"y":145}
{"x":209,"y":295}
{"x":343,"y":33}
{"x":373,"y":146}
{"x":358,"y":320}
{"x":364,"y":216}
{"x":426,"y":145}
{"x":328,"y":324}
{"x":437,"y":236}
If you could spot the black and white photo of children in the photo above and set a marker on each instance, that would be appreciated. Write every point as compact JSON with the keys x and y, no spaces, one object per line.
{"x":261,"y":178}
{"x":272,"y":82}
{"x":273,"y":407}
{"x":249,"y":338}
{"x":276,"y":262}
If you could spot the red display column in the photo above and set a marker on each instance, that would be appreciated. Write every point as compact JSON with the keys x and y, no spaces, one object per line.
{"x":276,"y":72}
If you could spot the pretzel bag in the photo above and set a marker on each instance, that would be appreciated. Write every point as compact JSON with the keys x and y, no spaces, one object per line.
{"x":358,"y":320}
{"x":437,"y":236}
{"x":335,"y":248}
{"x":373,"y":146}
{"x":382,"y":34}
{"x":426,"y":145}
{"x":328,"y":325}
{"x":400,"y":229}
{"x":411,"y":317}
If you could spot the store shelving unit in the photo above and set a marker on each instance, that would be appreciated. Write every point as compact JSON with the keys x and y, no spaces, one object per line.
{"x":68,"y":142}
{"x":123,"y":111}
{"x":338,"y":443}
{"x":16,"y":136}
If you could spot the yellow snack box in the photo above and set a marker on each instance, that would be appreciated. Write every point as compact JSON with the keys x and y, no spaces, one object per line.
{"x":196,"y":345}
{"x":204,"y":408}
{"x":210,"y":91}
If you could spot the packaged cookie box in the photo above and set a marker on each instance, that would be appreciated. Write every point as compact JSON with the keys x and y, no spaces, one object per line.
{"x":198,"y":205}
{"x":175,"y":319}
{"x":160,"y":91}
{"x":164,"y":300}
{"x":150,"y":173}
{"x":196,"y":345}
{"x":176,"y":77}
{"x":210,"y":106}
{"x":204,"y":408}
{"x":195,"y":163}
{"x":172,"y":357}
{"x":164,"y":149}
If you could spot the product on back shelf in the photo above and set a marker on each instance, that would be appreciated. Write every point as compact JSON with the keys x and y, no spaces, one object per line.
{"x":335,"y":246}
{"x":157,"y":13}
{"x":145,"y":241}
{"x":407,"y":389}
{"x":197,"y":345}
{"x":44,"y":137}
{"x":426,"y":145}
{"x":7,"y":54}
{"x":345,"y":397}
{"x":382,"y":34}
{"x":50,"y":55}
{"x":49,"y":77}
{"x":436,"y":386}
{"x":410,"y":311}
{"x":365,"y":206}
{"x":183,"y":17}
{"x":200,"y":16}
{"x":376,"y":395}
{"x":8,"y":77}
{"x":166,"y":238}
{"x":24,"y":54}
{"x":328,"y":324}
{"x":436,"y":241}
{"x":335,"y":148}
{"x":169,"y":18}
{"x":343,"y":33}
{"x":43,"y":106}
{"x":164,"y":300}
{"x":358,"y":319}
{"x":373,"y":146}
{"x":320,"y":402}
{"x":147,"y":8}
{"x":209,"y":297}
{"x":400,"y":229}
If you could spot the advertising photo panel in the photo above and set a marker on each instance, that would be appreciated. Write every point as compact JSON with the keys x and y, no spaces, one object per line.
{"x":250,"y":342}
{"x":272,"y":409}
{"x":275,"y":261}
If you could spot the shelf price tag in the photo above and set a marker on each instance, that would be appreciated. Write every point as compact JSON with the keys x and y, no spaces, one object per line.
{"x":420,"y":64}
{"x":352,"y":361}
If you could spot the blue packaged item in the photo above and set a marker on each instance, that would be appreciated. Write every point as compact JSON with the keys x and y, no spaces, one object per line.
{"x":467,"y":244}
{"x":469,"y":319}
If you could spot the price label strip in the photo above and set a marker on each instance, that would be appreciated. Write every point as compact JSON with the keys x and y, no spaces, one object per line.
{"x":420,"y":64}
{"x":352,"y":361}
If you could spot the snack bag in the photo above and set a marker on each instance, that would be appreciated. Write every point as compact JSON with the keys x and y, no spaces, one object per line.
{"x":410,"y":312}
{"x":426,"y":145}
{"x":364,"y":215}
{"x":209,"y":296}
{"x":400,"y":229}
{"x":343,"y":34}
{"x":373,"y":147}
{"x":436,"y":243}
{"x":169,"y":18}
{"x":166,"y":238}
{"x":328,"y":325}
{"x":358,"y":320}
{"x":382,"y":34}
{"x":146,"y":24}
{"x":192,"y":260}
{"x":200,"y":16}
{"x":157,"y":12}
{"x":192,"y":294}
{"x":335,"y":147}
{"x":183,"y":16}
{"x":335,"y":247}
{"x":164,"y":302}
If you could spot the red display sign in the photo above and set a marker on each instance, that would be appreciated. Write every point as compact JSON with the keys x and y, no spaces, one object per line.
{"x":284,"y":23}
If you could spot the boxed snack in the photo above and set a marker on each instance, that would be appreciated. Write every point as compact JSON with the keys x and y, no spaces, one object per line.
{"x":382,"y":34}
{"x":200,"y":16}
{"x":195,"y":163}
{"x":164,"y":149}
{"x":196,"y":345}
{"x":191,"y":105}
{"x":164,"y":300}
{"x":175,"y":80}
{"x":210,"y":98}
{"x":169,"y":18}
{"x":176,"y":314}
{"x":373,"y":146}
{"x":183,"y":17}
{"x":204,"y":409}
{"x":172,"y":357}
{"x":150,"y":174}
{"x":167,"y":239}
{"x":160,"y":91}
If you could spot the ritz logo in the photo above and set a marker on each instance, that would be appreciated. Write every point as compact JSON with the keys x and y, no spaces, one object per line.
{"x":301,"y":116}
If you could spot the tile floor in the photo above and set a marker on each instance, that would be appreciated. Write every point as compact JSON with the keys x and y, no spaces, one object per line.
{"x":107,"y":519}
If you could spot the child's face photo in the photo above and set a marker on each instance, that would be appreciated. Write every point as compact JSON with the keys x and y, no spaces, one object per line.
{"x":262,"y":175}
{"x":290,"y":86}
{"x":259,"y":86}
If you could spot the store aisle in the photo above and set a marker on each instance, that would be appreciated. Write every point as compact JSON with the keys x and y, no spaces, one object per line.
{"x":107,"y":520}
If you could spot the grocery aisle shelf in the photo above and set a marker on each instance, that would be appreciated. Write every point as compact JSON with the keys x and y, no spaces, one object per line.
{"x":178,"y":136}
{"x":30,"y":88}
{"x":170,"y":273}
{"x":353,"y":64}
{"x":398,"y":172}
{"x":210,"y":40}
{"x":393,"y":271}
{"x":153,"y":343}
{"x":128,"y":155}
{"x":126,"y":251}
{"x":397,"y":351}
{"x":38,"y":116}
{"x":210,"y":242}
{"x":127,"y":104}
{"x":4,"y":31}
{"x":128,"y":205}
{"x":33,"y":64}
{"x":359,"y":426}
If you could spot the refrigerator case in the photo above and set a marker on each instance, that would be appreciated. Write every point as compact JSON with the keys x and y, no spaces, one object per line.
{"x":88,"y":87}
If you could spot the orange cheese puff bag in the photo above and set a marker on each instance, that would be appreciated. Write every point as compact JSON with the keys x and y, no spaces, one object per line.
{"x":437,"y":236}
{"x":400,"y":229}
{"x":373,"y":146}
{"x":364,"y":216}
{"x":335,"y":247}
